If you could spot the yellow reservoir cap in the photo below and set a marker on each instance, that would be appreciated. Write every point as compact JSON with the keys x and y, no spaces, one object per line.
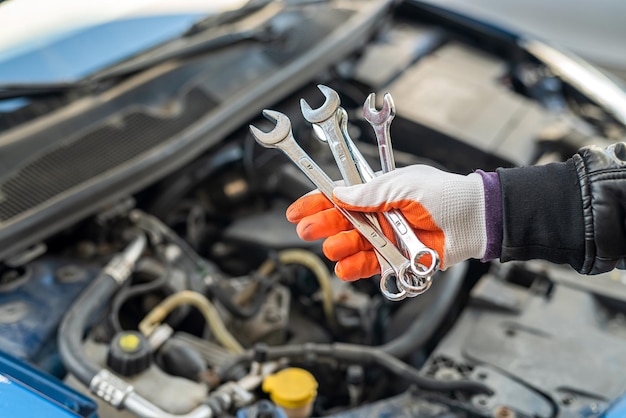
{"x":129,"y":343}
{"x":291,"y":388}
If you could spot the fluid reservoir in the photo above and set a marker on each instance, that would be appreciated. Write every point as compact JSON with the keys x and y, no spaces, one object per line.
{"x":293,"y":389}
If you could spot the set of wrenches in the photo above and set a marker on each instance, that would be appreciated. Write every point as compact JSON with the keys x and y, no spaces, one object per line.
{"x":404,"y":271}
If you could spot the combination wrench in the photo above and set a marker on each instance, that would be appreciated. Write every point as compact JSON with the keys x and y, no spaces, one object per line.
{"x":328,"y":118}
{"x":420,"y":283}
{"x":325,"y":117}
{"x":381,"y":122}
{"x":281,"y":137}
{"x":332,"y":120}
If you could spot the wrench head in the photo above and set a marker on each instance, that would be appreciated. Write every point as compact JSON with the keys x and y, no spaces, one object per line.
{"x":325,"y":111}
{"x":379,"y":117}
{"x":281,"y":131}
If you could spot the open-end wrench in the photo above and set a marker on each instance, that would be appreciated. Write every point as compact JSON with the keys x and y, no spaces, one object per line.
{"x":326,"y":118}
{"x":381,"y":121}
{"x":282,"y":138}
{"x":419,"y":283}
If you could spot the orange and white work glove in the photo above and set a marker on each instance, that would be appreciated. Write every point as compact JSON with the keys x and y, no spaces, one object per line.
{"x":447,"y":212}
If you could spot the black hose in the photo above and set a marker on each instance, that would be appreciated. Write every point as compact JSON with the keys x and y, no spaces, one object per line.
{"x":411,"y":374}
{"x":75,"y":323}
{"x":158,"y":273}
{"x":388,"y":355}
{"x":422,"y":329}
{"x":352,"y":353}
{"x":88,"y":304}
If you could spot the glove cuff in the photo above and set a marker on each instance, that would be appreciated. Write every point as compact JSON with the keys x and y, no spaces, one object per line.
{"x":493,"y":215}
{"x":463,"y":213}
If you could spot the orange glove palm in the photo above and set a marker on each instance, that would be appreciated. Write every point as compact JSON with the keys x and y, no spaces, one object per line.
{"x":446,"y":211}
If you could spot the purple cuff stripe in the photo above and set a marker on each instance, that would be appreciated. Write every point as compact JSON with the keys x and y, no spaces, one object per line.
{"x":493,"y":214}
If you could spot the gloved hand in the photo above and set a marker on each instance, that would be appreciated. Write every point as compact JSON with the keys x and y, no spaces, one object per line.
{"x":447,"y":212}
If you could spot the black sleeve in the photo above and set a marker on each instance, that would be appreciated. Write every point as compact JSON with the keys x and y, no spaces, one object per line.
{"x":572,"y":212}
{"x":542,"y":214}
{"x":602,"y":174}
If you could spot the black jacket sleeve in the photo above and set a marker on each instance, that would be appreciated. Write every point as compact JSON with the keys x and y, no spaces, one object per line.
{"x":572,"y":212}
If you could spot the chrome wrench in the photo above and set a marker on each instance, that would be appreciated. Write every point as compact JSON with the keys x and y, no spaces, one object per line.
{"x":327,"y":120}
{"x":420,"y":283}
{"x":381,"y":122}
{"x":281,"y":137}
{"x":325,"y":117}
{"x":355,"y":169}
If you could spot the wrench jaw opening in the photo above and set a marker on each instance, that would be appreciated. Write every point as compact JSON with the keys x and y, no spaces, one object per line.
{"x":382,"y":116}
{"x":280,"y":132}
{"x":325,"y":111}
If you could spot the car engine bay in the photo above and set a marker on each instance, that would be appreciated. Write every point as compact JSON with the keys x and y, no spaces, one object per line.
{"x":180,"y":289}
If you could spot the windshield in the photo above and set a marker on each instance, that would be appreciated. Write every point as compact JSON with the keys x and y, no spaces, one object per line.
{"x":44,"y":42}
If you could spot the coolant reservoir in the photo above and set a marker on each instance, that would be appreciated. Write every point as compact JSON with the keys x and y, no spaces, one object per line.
{"x":293,"y":389}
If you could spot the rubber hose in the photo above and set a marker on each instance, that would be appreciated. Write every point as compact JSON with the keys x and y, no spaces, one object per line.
{"x":352,"y":353}
{"x":321,"y":273}
{"x":315,"y":264}
{"x":160,"y":276}
{"x":75,"y":323}
{"x":88,"y":304}
{"x":187,"y":297}
{"x":403,"y":370}
{"x":422,"y":329}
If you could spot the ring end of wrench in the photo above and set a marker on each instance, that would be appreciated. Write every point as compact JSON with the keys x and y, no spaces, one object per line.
{"x":401,"y":294}
{"x":425,"y":270}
